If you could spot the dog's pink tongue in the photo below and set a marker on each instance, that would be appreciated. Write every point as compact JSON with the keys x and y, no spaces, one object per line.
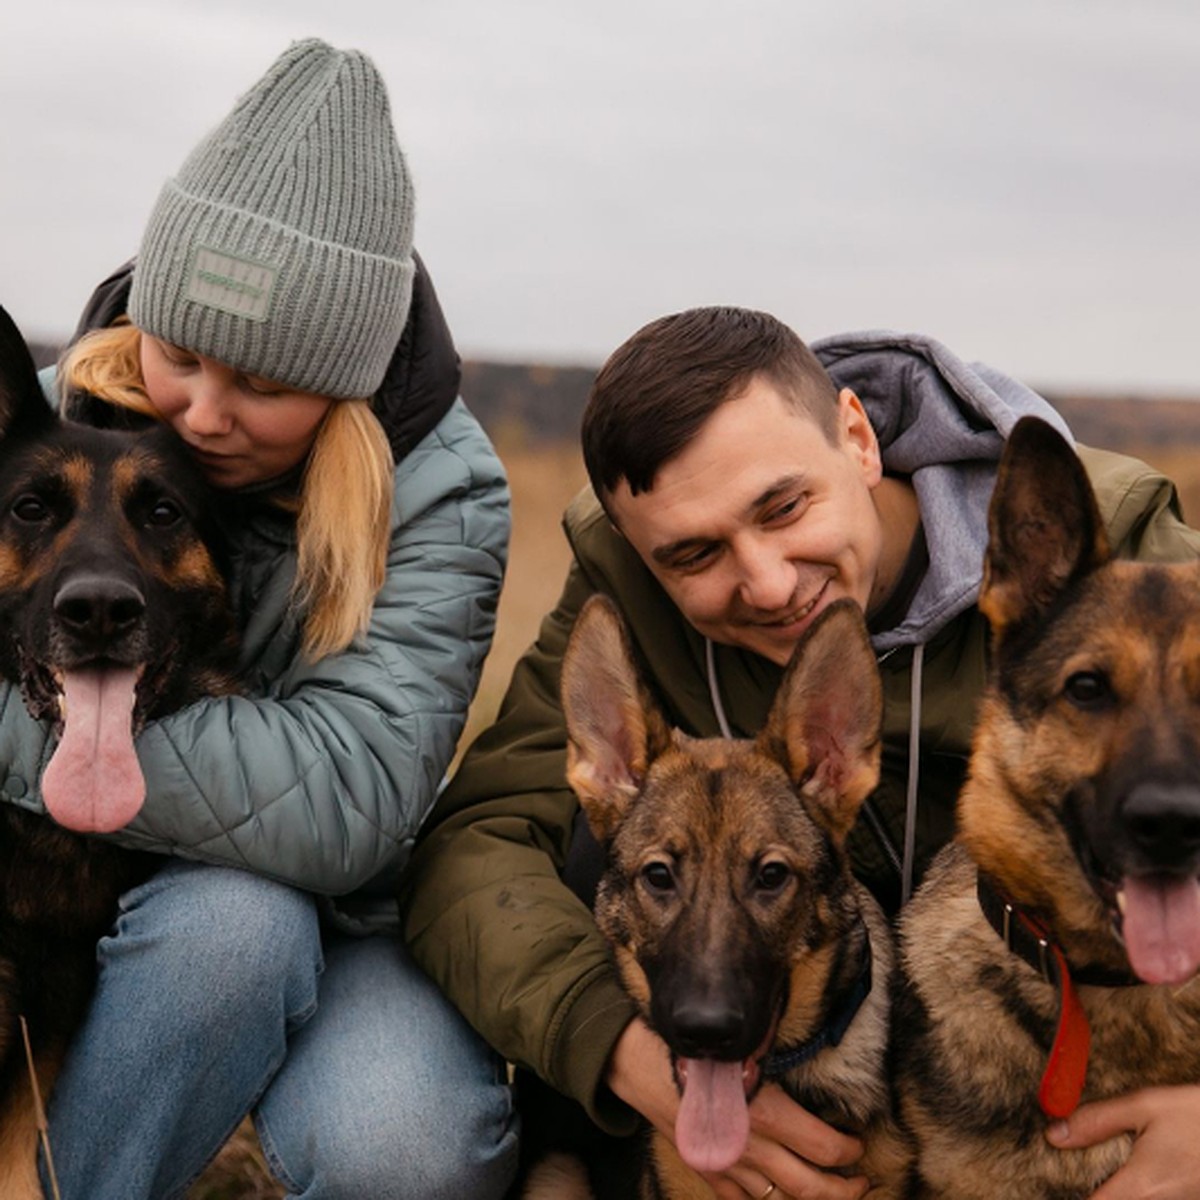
{"x":713,"y":1123}
{"x":93,"y":783}
{"x":1161,"y":927}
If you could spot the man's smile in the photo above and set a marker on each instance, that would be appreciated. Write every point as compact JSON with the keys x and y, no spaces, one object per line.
{"x":792,"y":615}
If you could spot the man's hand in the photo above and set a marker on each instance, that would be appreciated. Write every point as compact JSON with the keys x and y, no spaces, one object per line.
{"x":1165,"y":1163}
{"x":788,"y":1146}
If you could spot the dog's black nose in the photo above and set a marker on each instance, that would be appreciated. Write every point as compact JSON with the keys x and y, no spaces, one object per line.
{"x":707,"y":1028}
{"x":1163,"y":823}
{"x":98,"y":607}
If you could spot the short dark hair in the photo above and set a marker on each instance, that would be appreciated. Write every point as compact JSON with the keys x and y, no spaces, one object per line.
{"x":658,"y":388}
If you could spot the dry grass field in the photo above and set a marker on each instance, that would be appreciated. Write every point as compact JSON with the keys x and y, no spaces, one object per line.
{"x":543,"y":480}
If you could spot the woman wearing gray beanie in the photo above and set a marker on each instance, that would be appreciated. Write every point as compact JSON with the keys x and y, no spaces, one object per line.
{"x":277,"y":318}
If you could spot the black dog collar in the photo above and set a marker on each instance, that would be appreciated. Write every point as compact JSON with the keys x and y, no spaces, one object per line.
{"x":788,"y":1058}
{"x":1063,"y":1080}
{"x":1024,"y":936}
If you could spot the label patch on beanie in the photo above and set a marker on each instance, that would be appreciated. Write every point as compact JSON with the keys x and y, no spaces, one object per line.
{"x":234,"y":285}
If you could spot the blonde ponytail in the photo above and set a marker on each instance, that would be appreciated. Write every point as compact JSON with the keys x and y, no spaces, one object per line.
{"x":343,"y":527}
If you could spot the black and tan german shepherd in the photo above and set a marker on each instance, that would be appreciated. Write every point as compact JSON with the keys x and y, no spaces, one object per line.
{"x":1050,"y":956}
{"x":113,"y":610}
{"x":728,"y":902}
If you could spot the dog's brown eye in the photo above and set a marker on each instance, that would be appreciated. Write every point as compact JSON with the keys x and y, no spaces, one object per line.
{"x":658,"y":877}
{"x":30,"y":509}
{"x":1087,"y":689}
{"x":163,"y":513}
{"x":771,"y":876}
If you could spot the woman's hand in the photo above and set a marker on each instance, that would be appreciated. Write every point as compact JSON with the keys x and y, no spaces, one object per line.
{"x":1165,"y":1163}
{"x":788,"y":1146}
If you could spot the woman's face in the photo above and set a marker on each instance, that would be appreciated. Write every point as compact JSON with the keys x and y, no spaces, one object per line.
{"x":241,"y":429}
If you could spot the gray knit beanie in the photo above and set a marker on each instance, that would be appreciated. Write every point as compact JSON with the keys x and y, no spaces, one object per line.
{"x":284,"y":245}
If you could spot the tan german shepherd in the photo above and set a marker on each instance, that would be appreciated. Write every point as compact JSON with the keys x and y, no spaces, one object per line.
{"x":728,"y":901}
{"x":1050,"y":955}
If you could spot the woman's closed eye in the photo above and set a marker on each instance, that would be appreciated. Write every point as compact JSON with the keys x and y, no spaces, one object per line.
{"x":177,"y":356}
{"x":259,"y":387}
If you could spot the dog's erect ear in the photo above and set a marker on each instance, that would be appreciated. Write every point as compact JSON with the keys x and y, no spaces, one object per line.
{"x":824,"y":726}
{"x":1044,"y":529}
{"x":614,"y":730}
{"x":23,"y":407}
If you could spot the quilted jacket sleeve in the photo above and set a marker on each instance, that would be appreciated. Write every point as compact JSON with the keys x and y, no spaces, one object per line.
{"x":323,"y":781}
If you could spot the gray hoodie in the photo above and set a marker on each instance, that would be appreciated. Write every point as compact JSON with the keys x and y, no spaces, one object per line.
{"x":944,"y":423}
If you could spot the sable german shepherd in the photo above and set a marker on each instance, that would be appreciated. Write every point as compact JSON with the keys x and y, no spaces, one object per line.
{"x":728,"y":901}
{"x":1050,"y":954}
{"x":113,"y":610}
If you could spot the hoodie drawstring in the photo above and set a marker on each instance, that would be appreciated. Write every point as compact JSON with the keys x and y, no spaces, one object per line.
{"x":710,"y":666}
{"x":914,"y":774}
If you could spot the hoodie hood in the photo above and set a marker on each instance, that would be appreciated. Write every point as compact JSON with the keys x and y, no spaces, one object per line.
{"x":943,"y":423}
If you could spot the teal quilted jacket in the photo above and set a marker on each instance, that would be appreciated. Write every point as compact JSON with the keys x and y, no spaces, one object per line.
{"x":319,"y":775}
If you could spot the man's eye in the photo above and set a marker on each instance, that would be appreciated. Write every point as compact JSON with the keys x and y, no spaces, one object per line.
{"x":695,"y":560}
{"x":789,"y":508}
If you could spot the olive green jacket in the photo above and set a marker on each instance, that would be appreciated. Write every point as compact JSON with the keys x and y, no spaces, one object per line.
{"x":485,"y":909}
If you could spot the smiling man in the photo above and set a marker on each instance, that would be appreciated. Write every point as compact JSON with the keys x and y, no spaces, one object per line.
{"x":762,"y":519}
{"x":741,"y":483}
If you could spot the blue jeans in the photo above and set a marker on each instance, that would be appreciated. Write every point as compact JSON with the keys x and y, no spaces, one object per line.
{"x":216,"y":997}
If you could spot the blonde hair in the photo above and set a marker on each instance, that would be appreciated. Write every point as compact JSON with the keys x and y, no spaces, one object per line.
{"x":347,"y":486}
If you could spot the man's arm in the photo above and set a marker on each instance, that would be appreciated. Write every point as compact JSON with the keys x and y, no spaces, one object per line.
{"x":489,"y":918}
{"x":485,"y":910}
{"x":1165,"y":1161}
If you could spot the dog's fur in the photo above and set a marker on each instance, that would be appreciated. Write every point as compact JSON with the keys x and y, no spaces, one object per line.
{"x":727,"y":899}
{"x":1084,"y":784}
{"x":110,"y":570}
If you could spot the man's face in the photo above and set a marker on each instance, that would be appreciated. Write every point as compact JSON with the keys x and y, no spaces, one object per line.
{"x":761,"y":522}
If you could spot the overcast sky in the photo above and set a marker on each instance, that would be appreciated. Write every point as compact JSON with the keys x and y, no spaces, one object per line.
{"x":1020,"y":180}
